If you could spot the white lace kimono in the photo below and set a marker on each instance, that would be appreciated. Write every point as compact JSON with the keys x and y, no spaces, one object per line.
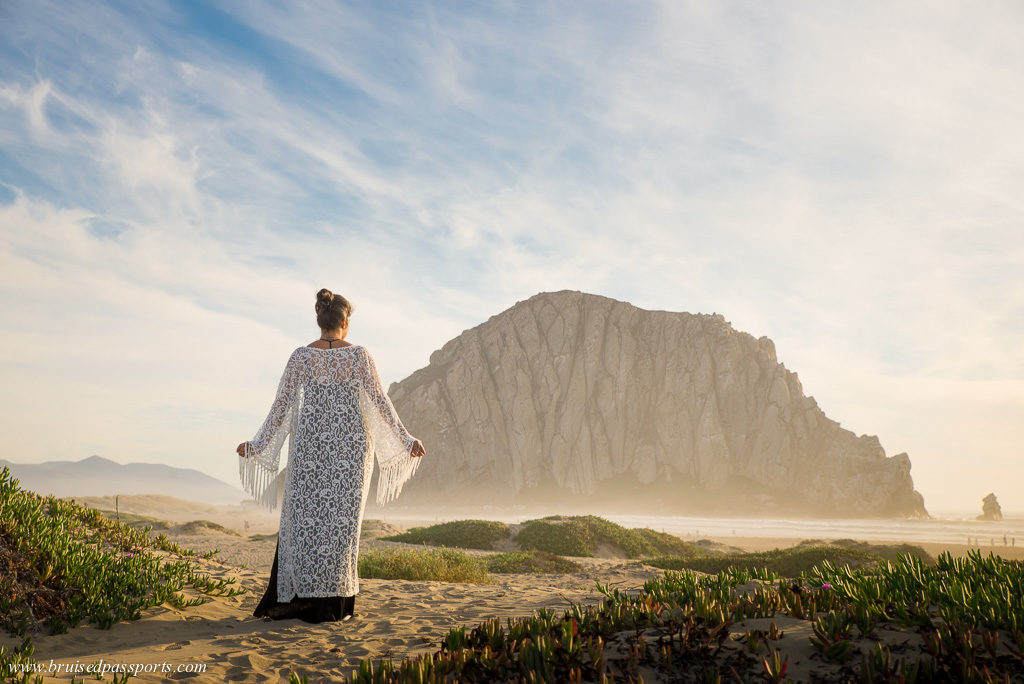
{"x":332,"y":405}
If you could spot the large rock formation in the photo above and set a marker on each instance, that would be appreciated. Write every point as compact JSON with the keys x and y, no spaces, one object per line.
{"x":990,"y":508}
{"x":580,"y":400}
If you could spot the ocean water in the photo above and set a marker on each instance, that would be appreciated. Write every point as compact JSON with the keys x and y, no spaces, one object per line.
{"x":948,"y":529}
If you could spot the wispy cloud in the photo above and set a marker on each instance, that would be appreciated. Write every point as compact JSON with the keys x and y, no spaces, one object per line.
{"x":177,"y":182}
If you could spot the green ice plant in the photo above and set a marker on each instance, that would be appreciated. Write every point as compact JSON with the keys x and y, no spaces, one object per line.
{"x":70,"y":564}
{"x":682,"y":619}
{"x":988,"y":590}
{"x":16,"y":660}
{"x":831,"y":636}
{"x":752,"y":639}
{"x":775,"y":666}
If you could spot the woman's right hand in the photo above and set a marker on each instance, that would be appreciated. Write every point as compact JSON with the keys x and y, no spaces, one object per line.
{"x":417,"y":449}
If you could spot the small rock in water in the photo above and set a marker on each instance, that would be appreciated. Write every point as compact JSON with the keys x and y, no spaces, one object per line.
{"x":990,"y":509}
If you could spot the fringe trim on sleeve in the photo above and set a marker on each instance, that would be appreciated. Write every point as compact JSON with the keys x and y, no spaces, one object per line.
{"x":393,"y":477}
{"x":390,"y":441}
{"x":259,"y":481}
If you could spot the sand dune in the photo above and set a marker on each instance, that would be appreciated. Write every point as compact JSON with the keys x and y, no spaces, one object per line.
{"x":180,"y":510}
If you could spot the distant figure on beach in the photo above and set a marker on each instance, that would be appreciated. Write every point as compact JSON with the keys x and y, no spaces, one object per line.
{"x":333,"y":407}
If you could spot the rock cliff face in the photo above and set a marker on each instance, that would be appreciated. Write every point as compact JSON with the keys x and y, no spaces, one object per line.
{"x":595,"y":404}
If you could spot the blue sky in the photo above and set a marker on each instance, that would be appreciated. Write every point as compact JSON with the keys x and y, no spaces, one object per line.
{"x":178,"y":179}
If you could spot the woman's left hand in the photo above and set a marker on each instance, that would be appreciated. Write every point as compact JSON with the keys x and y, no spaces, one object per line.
{"x":240,"y":449}
{"x":417,"y":449}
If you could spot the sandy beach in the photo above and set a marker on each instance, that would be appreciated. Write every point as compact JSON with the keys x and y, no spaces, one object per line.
{"x":393,"y":619}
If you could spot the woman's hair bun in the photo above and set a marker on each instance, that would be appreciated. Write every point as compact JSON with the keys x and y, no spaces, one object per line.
{"x":323,"y":299}
{"x":332,"y":310}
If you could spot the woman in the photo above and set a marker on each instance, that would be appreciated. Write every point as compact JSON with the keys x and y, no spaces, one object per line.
{"x":332,"y":405}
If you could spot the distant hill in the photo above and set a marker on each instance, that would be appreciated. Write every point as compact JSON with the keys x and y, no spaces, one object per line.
{"x":98,"y":476}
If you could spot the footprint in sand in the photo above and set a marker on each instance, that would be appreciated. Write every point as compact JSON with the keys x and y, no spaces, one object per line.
{"x":240,"y":674}
{"x":279,"y":636}
{"x":176,"y":645}
{"x":253,"y":662}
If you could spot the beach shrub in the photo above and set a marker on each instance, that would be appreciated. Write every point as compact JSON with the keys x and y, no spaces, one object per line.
{"x":560,"y":535}
{"x":664,"y":543}
{"x":437,"y":564}
{"x":784,"y":562}
{"x":889,"y":552}
{"x":463,"y":534}
{"x":564,"y":538}
{"x":582,"y":535}
{"x":789,"y":562}
{"x":530,"y":562}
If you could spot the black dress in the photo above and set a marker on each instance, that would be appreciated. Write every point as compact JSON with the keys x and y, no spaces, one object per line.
{"x":311,"y":609}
